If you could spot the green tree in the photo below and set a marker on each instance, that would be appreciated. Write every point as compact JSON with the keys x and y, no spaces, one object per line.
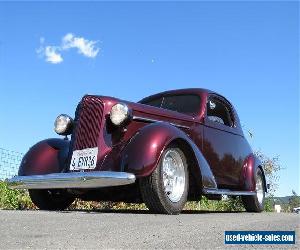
{"x":271,"y":168}
{"x":294,"y":201}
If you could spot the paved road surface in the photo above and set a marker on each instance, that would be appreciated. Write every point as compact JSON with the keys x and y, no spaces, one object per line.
{"x":133,"y":229}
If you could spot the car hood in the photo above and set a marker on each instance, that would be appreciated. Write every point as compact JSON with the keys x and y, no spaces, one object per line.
{"x":150,"y":112}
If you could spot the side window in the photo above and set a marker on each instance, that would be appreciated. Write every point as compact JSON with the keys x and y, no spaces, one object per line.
{"x":187,"y":104}
{"x":219,"y":111}
{"x":182,"y":103}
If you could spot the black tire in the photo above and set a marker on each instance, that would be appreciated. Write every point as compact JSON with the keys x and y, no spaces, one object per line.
{"x":153,"y":191}
{"x":253,"y":203}
{"x":51,"y":199}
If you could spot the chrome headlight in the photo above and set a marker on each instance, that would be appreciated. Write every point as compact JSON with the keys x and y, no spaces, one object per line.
{"x":119,"y":114}
{"x":63,"y":125}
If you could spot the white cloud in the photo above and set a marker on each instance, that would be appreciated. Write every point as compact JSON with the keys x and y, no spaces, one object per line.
{"x":53,"y":54}
{"x":84,"y":46}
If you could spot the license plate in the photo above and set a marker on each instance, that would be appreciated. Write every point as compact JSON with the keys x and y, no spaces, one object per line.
{"x":84,"y":159}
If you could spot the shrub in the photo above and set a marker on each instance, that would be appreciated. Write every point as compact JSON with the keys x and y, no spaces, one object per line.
{"x":14,"y":199}
{"x":228,"y":204}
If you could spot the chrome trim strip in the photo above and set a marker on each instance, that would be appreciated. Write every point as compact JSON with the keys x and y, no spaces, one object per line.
{"x":95,"y":179}
{"x":227,"y":192}
{"x":144,"y":119}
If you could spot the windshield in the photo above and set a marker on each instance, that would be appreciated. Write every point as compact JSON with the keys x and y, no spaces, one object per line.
{"x":187,"y":103}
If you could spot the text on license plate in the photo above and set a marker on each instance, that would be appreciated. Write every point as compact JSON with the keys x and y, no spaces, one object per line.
{"x":84,"y":159}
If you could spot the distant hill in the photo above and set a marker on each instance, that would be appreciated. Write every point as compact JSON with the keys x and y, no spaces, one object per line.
{"x":281,"y":200}
{"x":287,"y":203}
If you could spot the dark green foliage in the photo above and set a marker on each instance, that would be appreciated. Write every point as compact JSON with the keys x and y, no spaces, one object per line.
{"x":294,"y":200}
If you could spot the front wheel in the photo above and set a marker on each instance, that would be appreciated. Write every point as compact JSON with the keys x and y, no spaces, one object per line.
{"x":255,"y":203}
{"x":51,"y":199}
{"x":166,"y":189}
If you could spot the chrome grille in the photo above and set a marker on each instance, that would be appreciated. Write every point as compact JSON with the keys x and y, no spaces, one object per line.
{"x":88,"y":122}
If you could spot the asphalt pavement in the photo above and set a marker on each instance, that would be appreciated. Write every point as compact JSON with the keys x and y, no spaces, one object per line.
{"x":134,"y":229}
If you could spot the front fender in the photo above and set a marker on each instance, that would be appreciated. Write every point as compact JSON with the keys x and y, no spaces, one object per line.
{"x":143,"y":152}
{"x":45,"y":157}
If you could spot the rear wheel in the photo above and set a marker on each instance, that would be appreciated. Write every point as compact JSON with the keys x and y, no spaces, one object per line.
{"x":51,"y":199}
{"x":255,"y":203}
{"x":165,"y":190}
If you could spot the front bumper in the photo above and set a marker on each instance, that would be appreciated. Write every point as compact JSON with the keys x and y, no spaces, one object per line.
{"x":95,"y":179}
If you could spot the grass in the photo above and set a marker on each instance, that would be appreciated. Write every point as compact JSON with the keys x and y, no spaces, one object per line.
{"x":19,"y":199}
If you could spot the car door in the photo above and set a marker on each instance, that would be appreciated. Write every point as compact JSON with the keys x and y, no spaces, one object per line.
{"x":222,"y":142}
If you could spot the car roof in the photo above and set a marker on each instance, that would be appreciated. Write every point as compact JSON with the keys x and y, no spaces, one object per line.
{"x":197,"y":91}
{"x":200,"y":92}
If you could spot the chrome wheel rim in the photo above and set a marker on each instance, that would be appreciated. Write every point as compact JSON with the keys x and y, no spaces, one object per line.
{"x":259,"y":189}
{"x":173,"y":175}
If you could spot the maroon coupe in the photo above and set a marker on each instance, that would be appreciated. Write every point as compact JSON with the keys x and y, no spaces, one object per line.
{"x":164,"y":150}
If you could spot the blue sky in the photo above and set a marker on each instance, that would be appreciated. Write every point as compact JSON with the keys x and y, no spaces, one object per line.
{"x":247,"y":51}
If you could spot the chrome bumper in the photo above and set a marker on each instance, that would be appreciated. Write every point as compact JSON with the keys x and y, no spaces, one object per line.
{"x":72,"y":180}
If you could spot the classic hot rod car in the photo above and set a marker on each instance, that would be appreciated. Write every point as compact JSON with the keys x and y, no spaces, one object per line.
{"x":164,"y":150}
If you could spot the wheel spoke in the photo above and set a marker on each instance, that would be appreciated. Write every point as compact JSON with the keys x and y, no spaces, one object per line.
{"x":173,"y":175}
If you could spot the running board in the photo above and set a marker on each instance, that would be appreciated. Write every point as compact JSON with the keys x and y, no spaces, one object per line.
{"x":227,"y":192}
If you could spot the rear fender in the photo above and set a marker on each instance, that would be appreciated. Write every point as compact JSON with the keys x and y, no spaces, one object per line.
{"x":247,"y":179}
{"x":143,"y":152}
{"x":45,"y":157}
